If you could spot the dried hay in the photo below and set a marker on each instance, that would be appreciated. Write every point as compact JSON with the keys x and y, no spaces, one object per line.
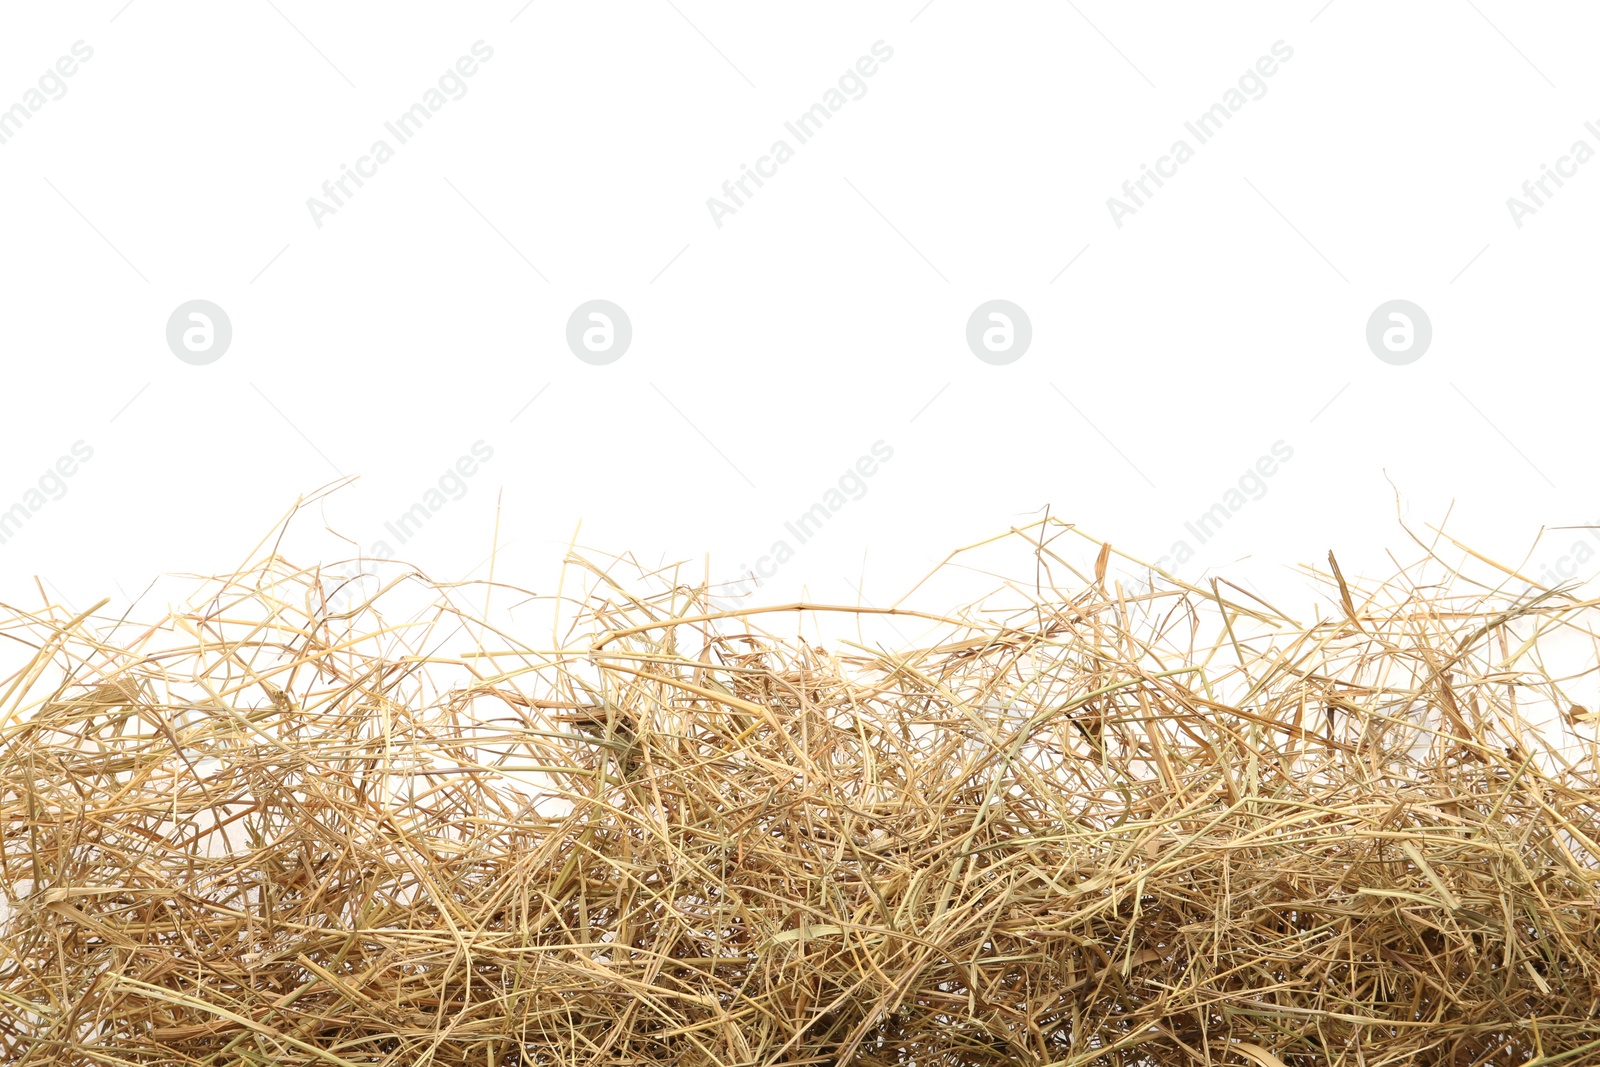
{"x":1065,"y":827}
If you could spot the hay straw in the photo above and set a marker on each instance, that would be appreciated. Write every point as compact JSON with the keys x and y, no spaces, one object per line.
{"x":1067,"y":825}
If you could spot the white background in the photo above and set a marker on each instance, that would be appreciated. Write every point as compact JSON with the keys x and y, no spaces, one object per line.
{"x":828,"y":313}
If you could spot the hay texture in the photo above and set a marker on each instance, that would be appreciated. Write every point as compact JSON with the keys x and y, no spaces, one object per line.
{"x":1072,"y":824}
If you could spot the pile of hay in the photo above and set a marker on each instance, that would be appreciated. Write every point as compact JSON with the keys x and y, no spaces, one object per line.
{"x":1069,"y":825}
